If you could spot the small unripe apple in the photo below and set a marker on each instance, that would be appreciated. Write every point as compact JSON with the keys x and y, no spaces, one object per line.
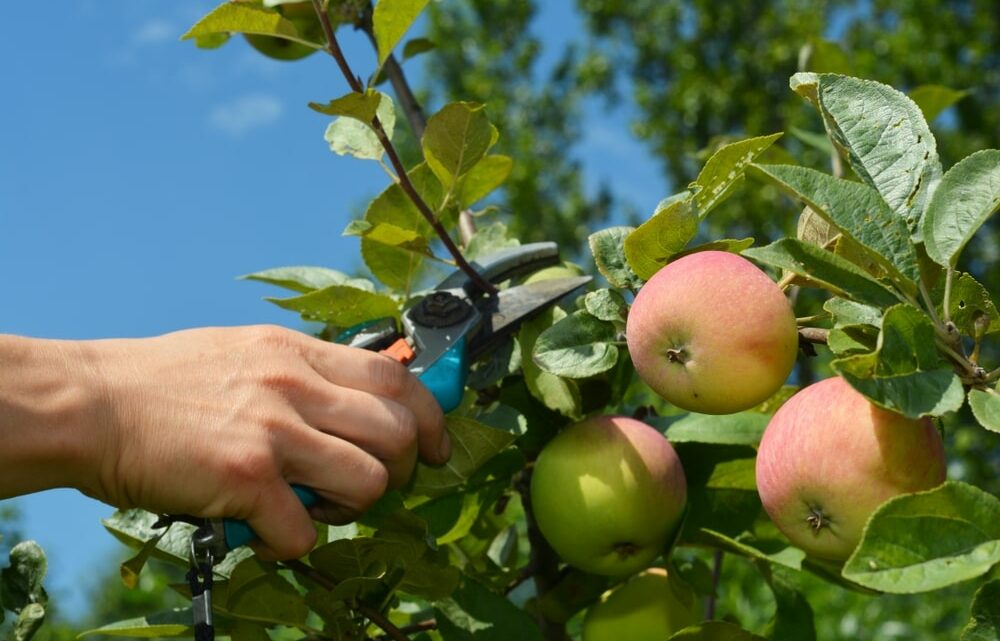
{"x":648,"y":607}
{"x":712,"y":333}
{"x":607,"y":494}
{"x":829,"y":457}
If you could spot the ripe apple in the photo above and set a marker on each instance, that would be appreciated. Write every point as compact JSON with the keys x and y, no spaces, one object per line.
{"x":712,"y":333}
{"x":607,"y":494}
{"x":829,"y":457}
{"x":648,"y":607}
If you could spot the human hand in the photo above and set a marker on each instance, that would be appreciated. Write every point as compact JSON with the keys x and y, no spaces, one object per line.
{"x":217,"y":422}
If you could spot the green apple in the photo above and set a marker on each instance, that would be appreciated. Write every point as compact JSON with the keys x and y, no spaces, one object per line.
{"x":607,"y":494}
{"x":712,"y":333}
{"x":829,"y":457}
{"x":648,"y":607}
{"x":303,"y":16}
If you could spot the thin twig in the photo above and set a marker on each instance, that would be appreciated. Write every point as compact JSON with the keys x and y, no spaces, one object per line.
{"x":815,"y":335}
{"x":333,"y":48}
{"x":544,"y":563}
{"x":411,"y":107}
{"x":329,"y":583}
{"x":716,"y":575}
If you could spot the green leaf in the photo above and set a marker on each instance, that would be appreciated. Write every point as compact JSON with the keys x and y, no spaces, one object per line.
{"x":715,"y":631}
{"x":349,"y":136}
{"x":248,"y":631}
{"x":307,"y":279}
{"x":392,"y":235}
{"x":985,"y":623}
{"x":172,"y":623}
{"x":242,"y":17}
{"x":488,"y":240}
{"x":132,"y":568}
{"x":743,"y":428}
{"x":456,"y":139}
{"x":485,"y":176}
{"x":340,"y":305}
{"x":793,"y":617}
{"x":472,"y":444}
{"x":554,"y":392}
{"x":724,"y":170}
{"x":971,"y":308}
{"x":825,"y":56}
{"x":857,"y":211}
{"x":361,"y":106}
{"x":668,"y":231}
{"x":21,"y":581}
{"x":578,"y":346}
{"x":391,"y":19}
{"x":135,"y":527}
{"x":817,"y":141}
{"x":967,"y":196}
{"x":986,"y":408}
{"x":776,"y":552}
{"x":608,"y":249}
{"x":607,"y":305}
{"x":417,"y":46}
{"x":258,"y":593}
{"x":475,"y":613}
{"x":847,"y":313}
{"x":905,"y":373}
{"x":851,"y":340}
{"x":722,"y":490}
{"x":395,"y":267}
{"x":928,"y":540}
{"x":885,"y":136}
{"x":731,"y":245}
{"x":933,"y":99}
{"x":29,"y":620}
{"x":825,"y":269}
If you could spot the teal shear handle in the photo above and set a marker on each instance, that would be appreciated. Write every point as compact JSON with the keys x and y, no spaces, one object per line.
{"x":446,"y":381}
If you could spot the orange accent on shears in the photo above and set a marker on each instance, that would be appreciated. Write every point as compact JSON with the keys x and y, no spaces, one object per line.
{"x":400,"y":351}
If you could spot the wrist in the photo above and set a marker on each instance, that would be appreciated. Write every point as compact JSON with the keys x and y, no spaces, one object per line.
{"x":49,"y":417}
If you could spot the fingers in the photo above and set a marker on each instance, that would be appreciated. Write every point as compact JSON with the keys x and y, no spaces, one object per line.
{"x":282,"y":524}
{"x":384,"y":428}
{"x":342,"y":473}
{"x":379,"y":375}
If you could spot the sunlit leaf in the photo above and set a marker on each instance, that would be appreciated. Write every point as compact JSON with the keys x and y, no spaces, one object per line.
{"x":724,"y":171}
{"x":608,"y":249}
{"x":391,"y":19}
{"x":967,"y":196}
{"x":650,"y":246}
{"x":928,"y":540}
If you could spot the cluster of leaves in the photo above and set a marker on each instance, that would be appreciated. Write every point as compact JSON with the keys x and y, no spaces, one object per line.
{"x":21,"y":590}
{"x":448,"y":557}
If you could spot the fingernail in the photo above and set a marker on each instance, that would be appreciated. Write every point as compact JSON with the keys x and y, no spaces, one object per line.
{"x":444,"y":450}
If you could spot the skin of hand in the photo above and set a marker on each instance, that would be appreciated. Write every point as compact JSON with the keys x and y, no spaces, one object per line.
{"x":216,"y":422}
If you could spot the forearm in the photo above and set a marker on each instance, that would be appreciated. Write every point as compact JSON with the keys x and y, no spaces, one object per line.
{"x":48,"y":435}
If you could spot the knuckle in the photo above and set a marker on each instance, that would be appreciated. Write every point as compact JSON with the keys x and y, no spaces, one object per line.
{"x":391,"y":377}
{"x":279,"y":379}
{"x":273,"y":336}
{"x":249,"y":465}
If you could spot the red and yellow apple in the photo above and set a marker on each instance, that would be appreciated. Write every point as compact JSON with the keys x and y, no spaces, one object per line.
{"x":712,"y":333}
{"x":647,"y":607}
{"x":607,"y":494}
{"x":829,"y":457}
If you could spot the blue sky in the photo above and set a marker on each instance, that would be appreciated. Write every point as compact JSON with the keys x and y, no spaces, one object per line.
{"x":139,"y":176}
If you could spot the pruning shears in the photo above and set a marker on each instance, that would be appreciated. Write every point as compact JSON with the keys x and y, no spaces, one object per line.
{"x":453,"y":325}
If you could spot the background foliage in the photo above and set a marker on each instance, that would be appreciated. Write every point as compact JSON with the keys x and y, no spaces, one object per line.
{"x":700,"y":74}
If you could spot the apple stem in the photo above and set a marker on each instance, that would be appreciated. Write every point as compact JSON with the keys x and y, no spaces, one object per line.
{"x":333,"y":48}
